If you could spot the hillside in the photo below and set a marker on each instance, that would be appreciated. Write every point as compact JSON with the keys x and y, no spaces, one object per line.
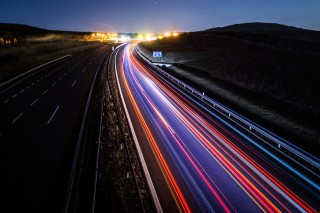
{"x":268,"y":32}
{"x":276,"y":69}
{"x":256,"y":27}
{"x":22,"y":30}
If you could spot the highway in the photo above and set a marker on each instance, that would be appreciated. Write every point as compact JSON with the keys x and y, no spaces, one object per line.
{"x":199,"y":161}
{"x":41,"y":114}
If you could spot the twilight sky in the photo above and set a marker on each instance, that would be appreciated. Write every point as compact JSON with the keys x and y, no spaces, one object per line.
{"x":156,"y":16}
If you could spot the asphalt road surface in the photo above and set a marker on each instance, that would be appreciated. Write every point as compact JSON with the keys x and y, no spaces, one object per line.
{"x":199,"y":160}
{"x":40,"y":118}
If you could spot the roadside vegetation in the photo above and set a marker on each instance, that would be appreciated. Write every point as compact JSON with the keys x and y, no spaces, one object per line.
{"x":23,"y":47}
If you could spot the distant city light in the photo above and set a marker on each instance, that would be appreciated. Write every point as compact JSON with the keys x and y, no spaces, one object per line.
{"x":148,"y":37}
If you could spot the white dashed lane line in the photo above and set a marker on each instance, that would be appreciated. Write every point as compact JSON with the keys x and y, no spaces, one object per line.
{"x":27,"y":87}
{"x":17,"y":118}
{"x":73,"y":83}
{"x":59,"y":78}
{"x":34,"y":102}
{"x":53,"y":84}
{"x":55,"y":111}
{"x":84,"y":70}
{"x":21,"y":91}
{"x":44,"y":92}
{"x":6,"y":101}
{"x":15,"y":95}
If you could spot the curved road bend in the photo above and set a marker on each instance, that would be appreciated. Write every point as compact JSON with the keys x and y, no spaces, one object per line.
{"x":39,"y":126}
{"x":196,"y":161}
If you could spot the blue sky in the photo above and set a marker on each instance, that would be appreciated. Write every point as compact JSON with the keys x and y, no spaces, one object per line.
{"x":157,"y":16}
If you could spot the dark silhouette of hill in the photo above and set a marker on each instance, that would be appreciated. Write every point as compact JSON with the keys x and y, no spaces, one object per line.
{"x":270,"y":32}
{"x":257,"y":27}
{"x":22,"y":30}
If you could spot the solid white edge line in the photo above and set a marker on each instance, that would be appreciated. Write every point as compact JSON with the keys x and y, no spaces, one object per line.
{"x":142,"y":160}
{"x":53,"y":114}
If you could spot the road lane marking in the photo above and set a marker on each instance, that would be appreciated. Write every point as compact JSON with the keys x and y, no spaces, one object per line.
{"x":60,"y":78}
{"x":73,"y":83}
{"x":27,"y":87}
{"x":21,"y":91}
{"x":53,"y":84}
{"x":15,"y":95}
{"x":45,"y":92}
{"x":38,"y":80}
{"x":17,"y":118}
{"x":90,"y":62}
{"x":34,"y":102}
{"x":6,"y":101}
{"x":53,"y":114}
{"x":32,"y":83}
{"x":64,"y":74}
{"x":84,"y":70}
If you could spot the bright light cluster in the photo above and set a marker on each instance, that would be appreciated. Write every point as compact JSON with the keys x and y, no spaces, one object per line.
{"x":126,"y":37}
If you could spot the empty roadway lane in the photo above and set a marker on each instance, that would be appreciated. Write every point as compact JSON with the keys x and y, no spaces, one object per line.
{"x":40,"y":122}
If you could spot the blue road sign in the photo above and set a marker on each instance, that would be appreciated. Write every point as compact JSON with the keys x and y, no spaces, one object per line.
{"x":157,"y":54}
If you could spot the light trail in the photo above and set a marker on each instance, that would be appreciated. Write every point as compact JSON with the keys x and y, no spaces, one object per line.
{"x":222,"y":172}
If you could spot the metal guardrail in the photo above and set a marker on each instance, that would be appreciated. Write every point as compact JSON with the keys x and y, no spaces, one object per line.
{"x":301,"y":157}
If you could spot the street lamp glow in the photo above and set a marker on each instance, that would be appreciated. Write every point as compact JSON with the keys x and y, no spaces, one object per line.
{"x":148,"y":37}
